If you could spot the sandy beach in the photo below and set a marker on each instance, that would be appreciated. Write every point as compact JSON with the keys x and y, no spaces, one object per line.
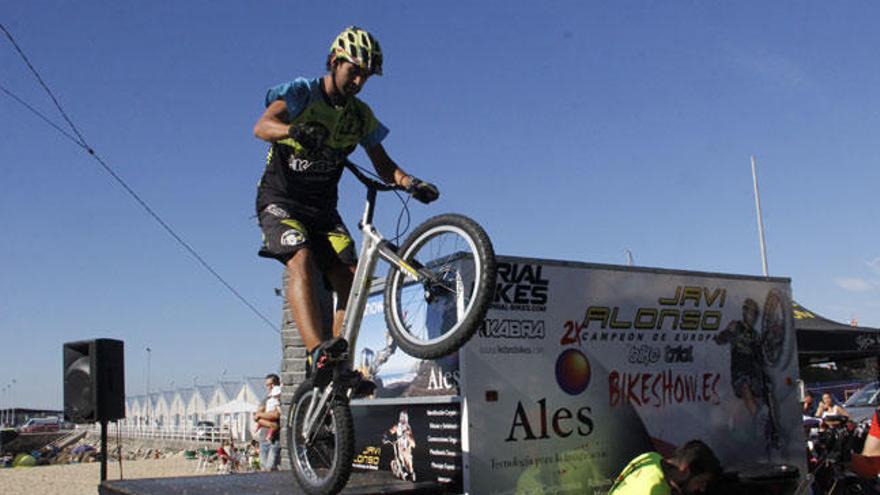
{"x":82,"y":479}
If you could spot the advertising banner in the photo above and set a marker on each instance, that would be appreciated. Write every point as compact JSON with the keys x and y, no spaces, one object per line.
{"x":579,"y":368}
{"x":397,"y":374}
{"x":414,"y":441}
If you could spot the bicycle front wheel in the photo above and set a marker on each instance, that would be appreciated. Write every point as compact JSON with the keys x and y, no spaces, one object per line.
{"x":321,"y":462}
{"x":434,"y":314}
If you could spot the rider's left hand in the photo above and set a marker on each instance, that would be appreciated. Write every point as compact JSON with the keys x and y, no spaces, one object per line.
{"x":422,"y":191}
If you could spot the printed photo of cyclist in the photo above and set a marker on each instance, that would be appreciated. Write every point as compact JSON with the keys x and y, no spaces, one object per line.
{"x":749,"y":379}
{"x":403,"y":445}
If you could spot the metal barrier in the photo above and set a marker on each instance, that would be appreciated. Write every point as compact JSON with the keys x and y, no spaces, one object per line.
{"x":210,"y":434}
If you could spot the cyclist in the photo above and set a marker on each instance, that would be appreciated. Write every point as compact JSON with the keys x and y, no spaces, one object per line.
{"x":313,"y":125}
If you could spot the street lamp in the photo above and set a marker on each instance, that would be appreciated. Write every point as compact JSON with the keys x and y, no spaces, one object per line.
{"x":149,"y":358}
{"x":12,"y":403}
{"x":149,"y":400}
{"x":7,"y":412}
{"x":3,"y":410}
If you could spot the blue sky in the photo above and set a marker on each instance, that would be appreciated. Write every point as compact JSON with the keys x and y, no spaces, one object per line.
{"x":570,"y":130}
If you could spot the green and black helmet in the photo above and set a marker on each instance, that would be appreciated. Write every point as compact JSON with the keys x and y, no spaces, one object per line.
{"x":358,"y":47}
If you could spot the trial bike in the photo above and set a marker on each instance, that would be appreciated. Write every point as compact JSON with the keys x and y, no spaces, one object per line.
{"x":438,"y":288}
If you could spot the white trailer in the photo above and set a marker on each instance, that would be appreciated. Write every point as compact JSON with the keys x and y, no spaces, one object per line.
{"x":578,"y":368}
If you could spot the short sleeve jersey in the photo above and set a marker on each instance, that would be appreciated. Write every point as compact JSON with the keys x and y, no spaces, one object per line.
{"x":305,"y":180}
{"x":642,"y":476}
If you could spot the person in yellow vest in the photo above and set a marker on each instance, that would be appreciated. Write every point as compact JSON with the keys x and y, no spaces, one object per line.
{"x":691,"y":469}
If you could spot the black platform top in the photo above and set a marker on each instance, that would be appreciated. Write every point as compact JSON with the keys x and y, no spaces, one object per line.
{"x":277,"y":483}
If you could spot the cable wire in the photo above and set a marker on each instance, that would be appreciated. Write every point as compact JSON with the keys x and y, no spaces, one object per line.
{"x":82,"y":143}
{"x":42,"y":83}
{"x":404,"y":210}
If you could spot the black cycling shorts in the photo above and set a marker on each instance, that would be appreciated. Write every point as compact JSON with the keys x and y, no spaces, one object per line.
{"x":284,"y":234}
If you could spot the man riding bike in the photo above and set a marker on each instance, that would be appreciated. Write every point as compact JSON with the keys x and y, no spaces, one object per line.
{"x":313,"y":125}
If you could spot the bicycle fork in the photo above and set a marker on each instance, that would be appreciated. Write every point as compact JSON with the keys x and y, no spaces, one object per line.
{"x":317,"y":405}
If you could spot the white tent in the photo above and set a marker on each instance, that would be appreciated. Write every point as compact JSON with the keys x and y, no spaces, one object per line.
{"x":233,"y":407}
{"x":238,"y":412}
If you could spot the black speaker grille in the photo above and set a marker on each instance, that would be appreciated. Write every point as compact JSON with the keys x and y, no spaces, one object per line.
{"x":78,"y":390}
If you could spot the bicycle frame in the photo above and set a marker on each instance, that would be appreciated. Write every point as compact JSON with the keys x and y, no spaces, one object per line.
{"x":373,"y":247}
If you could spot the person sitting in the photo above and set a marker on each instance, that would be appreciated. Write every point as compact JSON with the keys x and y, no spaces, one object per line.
{"x":828,"y":407}
{"x":253,"y":455}
{"x":830,"y":412}
{"x":690,"y":469}
{"x":809,"y":405}
{"x":224,"y":455}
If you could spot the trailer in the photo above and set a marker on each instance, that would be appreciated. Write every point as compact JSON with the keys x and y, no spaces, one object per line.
{"x":578,"y":368}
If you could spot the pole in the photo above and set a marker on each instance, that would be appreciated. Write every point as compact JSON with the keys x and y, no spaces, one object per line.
{"x":760,"y":217}
{"x":149,"y":400}
{"x":103,"y":450}
{"x":149,"y":356}
{"x":12,"y":404}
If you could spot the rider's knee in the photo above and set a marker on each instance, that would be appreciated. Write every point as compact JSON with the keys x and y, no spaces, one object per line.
{"x":302,"y":261}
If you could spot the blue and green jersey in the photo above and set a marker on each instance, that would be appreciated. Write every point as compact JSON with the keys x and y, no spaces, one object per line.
{"x":305,"y":180}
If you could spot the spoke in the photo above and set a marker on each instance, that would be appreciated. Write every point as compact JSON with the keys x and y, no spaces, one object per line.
{"x":320,"y":452}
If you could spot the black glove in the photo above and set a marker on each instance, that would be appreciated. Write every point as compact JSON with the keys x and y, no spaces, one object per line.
{"x":310,"y":136}
{"x":422,"y":191}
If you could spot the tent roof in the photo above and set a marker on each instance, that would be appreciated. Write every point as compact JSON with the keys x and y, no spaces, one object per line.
{"x":186,"y":394}
{"x":231,"y":389}
{"x":822,"y":339}
{"x":232,"y":407}
{"x":808,"y":320}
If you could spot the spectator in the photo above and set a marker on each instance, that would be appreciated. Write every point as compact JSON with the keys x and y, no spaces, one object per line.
{"x":252,"y":454}
{"x":269,"y":418}
{"x":690,"y":469}
{"x":809,"y":404}
{"x":226,"y":454}
{"x":829,"y":408}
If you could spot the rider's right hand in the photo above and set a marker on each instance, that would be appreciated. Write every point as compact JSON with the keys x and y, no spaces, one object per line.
{"x":423,"y":191}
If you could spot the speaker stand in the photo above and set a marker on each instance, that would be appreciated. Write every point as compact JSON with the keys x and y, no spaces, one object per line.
{"x":103,"y":450}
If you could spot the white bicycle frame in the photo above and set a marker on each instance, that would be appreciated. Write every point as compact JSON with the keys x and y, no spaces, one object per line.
{"x":373,"y":247}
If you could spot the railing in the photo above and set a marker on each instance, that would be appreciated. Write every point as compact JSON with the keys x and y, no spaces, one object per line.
{"x":210,"y":434}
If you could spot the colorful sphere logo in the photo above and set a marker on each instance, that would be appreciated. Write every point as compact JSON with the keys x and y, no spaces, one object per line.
{"x":572,"y":371}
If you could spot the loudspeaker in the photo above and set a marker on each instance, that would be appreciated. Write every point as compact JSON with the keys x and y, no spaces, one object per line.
{"x":94,"y":381}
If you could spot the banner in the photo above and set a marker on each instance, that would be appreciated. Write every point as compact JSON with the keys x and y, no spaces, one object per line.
{"x":397,"y":374}
{"x":579,"y":368}
{"x":415,"y":442}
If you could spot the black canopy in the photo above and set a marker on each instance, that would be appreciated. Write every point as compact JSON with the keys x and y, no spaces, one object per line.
{"x":821,"y":339}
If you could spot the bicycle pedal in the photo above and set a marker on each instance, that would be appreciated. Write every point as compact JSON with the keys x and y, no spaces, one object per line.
{"x":335,"y":347}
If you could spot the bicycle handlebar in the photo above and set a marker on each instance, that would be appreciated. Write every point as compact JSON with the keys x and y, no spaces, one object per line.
{"x":370,"y":183}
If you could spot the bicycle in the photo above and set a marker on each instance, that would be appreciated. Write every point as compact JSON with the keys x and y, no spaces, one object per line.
{"x":437,"y":291}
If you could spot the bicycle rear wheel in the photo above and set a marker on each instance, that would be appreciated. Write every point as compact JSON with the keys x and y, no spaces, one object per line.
{"x":321,"y":464}
{"x":435,"y":315}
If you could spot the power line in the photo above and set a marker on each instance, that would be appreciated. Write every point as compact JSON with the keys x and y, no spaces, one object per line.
{"x":80,"y":141}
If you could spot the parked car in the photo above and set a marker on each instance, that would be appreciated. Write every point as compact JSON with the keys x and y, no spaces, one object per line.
{"x":861,"y":405}
{"x":36,"y":425}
